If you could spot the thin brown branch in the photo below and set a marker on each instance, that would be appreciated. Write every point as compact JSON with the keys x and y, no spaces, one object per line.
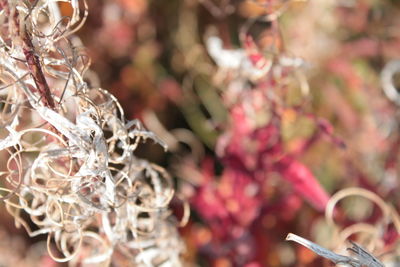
{"x":36,"y":71}
{"x":32,"y":59}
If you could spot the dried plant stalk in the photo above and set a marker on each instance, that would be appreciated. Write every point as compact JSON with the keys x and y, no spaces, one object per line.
{"x":71,"y":166}
{"x":364,"y":258}
{"x":375,"y":233}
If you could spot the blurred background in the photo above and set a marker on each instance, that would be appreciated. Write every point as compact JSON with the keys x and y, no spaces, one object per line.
{"x":268,"y":108}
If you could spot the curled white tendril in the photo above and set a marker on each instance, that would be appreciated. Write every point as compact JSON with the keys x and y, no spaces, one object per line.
{"x":370,"y":235}
{"x":387,"y":80}
{"x":70,"y":165}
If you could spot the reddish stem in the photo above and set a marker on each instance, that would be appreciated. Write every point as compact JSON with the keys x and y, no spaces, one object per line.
{"x":36,"y":71}
{"x":32,"y":59}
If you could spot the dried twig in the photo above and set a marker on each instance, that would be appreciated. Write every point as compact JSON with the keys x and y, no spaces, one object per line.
{"x":83,"y":187}
{"x":364,"y":258}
